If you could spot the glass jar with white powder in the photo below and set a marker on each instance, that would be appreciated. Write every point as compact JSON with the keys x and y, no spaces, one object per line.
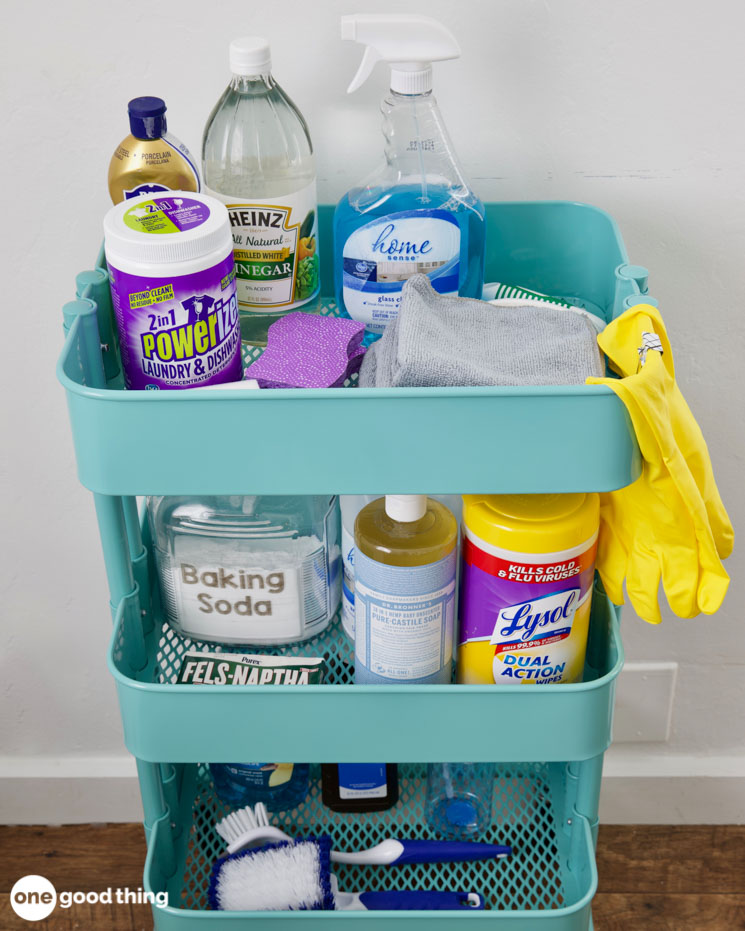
{"x":249,"y":569}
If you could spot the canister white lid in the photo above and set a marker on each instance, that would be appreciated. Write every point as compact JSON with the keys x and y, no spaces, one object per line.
{"x":167,"y":227}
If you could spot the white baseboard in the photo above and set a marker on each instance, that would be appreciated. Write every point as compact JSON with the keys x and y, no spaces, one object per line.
{"x":639,"y":787}
{"x":68,"y":790}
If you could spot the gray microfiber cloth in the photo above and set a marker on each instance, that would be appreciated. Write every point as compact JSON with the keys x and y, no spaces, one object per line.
{"x":438,"y":340}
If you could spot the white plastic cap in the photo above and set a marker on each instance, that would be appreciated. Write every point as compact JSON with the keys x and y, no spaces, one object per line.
{"x":408,"y":42}
{"x":250,"y":55}
{"x":405,"y":508}
{"x":411,"y":82}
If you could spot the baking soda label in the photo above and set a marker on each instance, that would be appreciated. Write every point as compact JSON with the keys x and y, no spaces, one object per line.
{"x":524,"y":617}
{"x":219,"y":602}
{"x":181,"y":331}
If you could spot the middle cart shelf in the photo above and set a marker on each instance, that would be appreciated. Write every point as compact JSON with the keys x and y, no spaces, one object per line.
{"x":164,"y":720}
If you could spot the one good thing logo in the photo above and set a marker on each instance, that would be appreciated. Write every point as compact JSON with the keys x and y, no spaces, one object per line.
{"x":35,"y":898}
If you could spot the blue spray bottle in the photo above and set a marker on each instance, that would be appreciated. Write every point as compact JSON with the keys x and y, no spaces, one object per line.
{"x":416,"y":213}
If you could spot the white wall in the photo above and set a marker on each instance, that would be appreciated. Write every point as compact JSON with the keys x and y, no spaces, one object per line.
{"x":636,"y":107}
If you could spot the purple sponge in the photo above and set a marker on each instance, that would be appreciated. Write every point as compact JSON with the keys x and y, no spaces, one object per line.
{"x":309,"y":351}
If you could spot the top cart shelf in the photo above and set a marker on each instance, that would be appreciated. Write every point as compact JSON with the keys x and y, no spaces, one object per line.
{"x":345,"y":441}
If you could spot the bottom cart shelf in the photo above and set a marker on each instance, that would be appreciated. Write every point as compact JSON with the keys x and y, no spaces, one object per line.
{"x":547,"y":883}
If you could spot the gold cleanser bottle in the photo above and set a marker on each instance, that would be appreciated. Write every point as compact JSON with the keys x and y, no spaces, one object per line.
{"x":258,"y":160}
{"x":150,"y":160}
{"x":405,"y":562}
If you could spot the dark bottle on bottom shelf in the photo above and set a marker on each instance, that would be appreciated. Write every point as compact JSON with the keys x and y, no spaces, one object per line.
{"x":349,"y":787}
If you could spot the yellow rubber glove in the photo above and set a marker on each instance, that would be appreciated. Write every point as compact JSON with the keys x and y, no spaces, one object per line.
{"x":670,"y":524}
{"x":620,"y":341}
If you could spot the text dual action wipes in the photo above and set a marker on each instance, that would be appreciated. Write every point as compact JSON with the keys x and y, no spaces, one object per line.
{"x":170,"y":260}
{"x":525,"y":606}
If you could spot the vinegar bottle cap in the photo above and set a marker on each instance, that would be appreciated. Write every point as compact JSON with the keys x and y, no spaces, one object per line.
{"x":250,"y":55}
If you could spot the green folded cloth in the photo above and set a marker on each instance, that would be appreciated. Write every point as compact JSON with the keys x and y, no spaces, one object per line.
{"x":438,"y":340}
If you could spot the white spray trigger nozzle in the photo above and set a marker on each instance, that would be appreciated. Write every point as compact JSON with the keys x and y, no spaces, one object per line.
{"x":409,"y":43}
{"x":369,"y":60}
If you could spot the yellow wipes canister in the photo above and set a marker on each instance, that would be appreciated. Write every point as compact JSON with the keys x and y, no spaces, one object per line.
{"x":528,"y":563}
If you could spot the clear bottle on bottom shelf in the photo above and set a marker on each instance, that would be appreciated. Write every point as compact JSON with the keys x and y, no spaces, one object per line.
{"x":247,"y":569}
{"x":280,"y":786}
{"x":459,"y":799}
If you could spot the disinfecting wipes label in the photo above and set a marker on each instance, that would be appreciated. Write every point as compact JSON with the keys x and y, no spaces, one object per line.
{"x":524,"y":617}
{"x":404,"y":617}
{"x":380,"y":256}
{"x":275,"y":246}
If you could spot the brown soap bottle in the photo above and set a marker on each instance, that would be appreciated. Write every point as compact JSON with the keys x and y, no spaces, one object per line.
{"x":359,"y":786}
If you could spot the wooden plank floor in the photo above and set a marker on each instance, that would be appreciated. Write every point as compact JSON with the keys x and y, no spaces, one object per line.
{"x":651,"y":878}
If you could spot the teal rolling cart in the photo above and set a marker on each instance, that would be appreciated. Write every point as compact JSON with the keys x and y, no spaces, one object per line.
{"x":548,"y":741}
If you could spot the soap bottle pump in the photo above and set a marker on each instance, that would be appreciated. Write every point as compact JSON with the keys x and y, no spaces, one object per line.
{"x":416,"y":213}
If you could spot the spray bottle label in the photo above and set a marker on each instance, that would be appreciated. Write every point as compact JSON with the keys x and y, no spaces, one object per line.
{"x":275,"y":249}
{"x":380,"y":256}
{"x":524,"y":617}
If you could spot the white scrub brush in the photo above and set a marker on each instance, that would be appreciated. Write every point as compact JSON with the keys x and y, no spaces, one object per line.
{"x":297,"y":876}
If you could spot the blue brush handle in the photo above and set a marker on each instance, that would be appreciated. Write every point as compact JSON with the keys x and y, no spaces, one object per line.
{"x":445,"y":851}
{"x":413,"y":900}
